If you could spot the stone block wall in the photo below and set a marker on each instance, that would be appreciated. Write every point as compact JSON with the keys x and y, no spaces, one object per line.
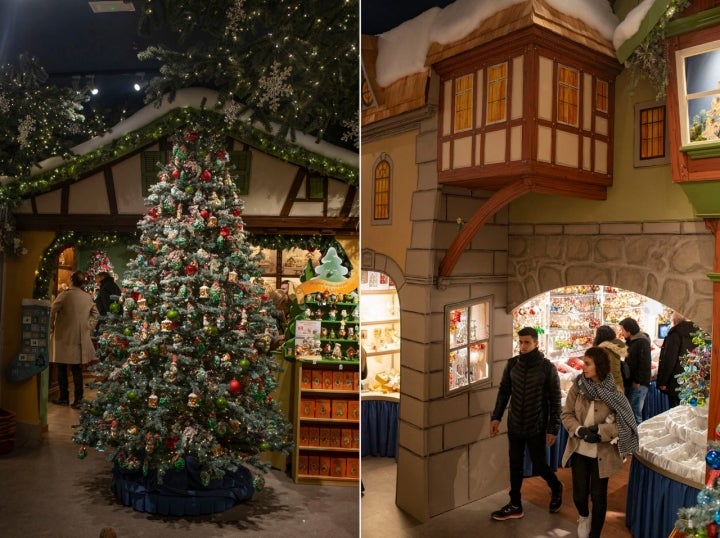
{"x":666,"y":261}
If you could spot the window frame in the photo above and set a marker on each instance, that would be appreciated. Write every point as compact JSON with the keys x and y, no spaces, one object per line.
{"x":489,"y":110}
{"x":639,"y":162}
{"x":468,"y":98}
{"x":683,"y":97}
{"x":478,"y":342}
{"x":383,"y":158}
{"x":563,"y":121}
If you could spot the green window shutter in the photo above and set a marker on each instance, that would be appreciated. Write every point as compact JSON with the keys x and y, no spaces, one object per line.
{"x":241,"y":162}
{"x":315,"y":187}
{"x":149,"y":169}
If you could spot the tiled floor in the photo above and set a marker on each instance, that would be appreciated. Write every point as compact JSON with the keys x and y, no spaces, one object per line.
{"x":381,"y":517}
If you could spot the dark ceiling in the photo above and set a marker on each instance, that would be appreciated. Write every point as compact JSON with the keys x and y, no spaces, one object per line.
{"x":69,"y":39}
{"x":77,"y":46}
{"x":378,"y":16}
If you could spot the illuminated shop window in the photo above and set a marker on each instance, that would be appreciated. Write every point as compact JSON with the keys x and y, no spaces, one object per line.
{"x":467,"y":339}
{"x":568,"y":94}
{"x":463,"y":102}
{"x":497,"y":93}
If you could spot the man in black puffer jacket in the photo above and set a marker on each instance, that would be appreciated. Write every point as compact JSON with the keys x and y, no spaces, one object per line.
{"x":531,"y":385}
{"x":676,"y":344}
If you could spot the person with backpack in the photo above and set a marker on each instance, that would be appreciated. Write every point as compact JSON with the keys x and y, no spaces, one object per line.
{"x":530,"y":386}
{"x":677,"y":343}
{"x":606,"y":338}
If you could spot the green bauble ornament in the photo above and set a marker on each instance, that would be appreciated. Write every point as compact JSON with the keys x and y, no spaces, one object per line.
{"x":189,"y":189}
{"x":172,"y":314}
{"x":259,"y":483}
{"x":244,"y":364}
{"x":264,"y":446}
{"x":201,"y":347}
{"x":115,"y":308}
{"x":221,"y":401}
{"x":212,"y":330}
{"x":211,"y":421}
{"x":179,"y":464}
{"x":131,"y":395}
{"x":127,"y":331}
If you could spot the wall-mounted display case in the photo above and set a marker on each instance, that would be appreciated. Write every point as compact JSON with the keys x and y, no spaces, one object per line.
{"x":380,"y":328}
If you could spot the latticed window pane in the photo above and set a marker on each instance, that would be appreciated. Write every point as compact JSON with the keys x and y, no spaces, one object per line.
{"x":463,"y":102}
{"x":381,"y":203}
{"x":652,"y":132}
{"x":568,"y":93}
{"x":497,"y":93}
{"x":601,"y":96}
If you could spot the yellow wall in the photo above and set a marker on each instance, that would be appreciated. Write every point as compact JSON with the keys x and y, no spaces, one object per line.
{"x":391,"y":240}
{"x":21,"y":398}
{"x":637,"y":194}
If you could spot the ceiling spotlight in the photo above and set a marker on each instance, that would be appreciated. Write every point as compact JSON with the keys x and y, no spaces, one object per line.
{"x":91,"y":85}
{"x":139,"y":82}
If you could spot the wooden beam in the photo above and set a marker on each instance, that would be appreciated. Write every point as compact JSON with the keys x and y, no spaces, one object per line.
{"x":128,"y":223}
{"x":504,"y":196}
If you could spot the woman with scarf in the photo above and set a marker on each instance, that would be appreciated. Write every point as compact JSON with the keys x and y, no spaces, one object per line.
{"x":602,"y":432}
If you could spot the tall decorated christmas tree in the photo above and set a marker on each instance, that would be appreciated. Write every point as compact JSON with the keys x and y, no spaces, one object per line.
{"x":99,"y":262}
{"x":186,"y":368}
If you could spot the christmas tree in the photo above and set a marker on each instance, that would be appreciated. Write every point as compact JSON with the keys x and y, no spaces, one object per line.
{"x":99,"y":262}
{"x":186,"y":369}
{"x":694,"y":380}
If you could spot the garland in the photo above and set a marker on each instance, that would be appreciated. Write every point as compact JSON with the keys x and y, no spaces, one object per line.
{"x":48,"y":261}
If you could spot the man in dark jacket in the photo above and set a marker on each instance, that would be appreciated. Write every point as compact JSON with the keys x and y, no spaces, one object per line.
{"x":531,"y":385}
{"x":676,"y":344}
{"x":107,"y":288}
{"x":638,"y":359}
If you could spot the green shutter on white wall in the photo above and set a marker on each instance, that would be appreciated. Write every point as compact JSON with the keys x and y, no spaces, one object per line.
{"x":149,"y":169}
{"x":241,"y":161}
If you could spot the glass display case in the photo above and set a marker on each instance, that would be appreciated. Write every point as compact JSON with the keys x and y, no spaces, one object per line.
{"x":467,"y":337}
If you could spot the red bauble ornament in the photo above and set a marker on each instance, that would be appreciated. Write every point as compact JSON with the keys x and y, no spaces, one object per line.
{"x":204,"y":213}
{"x":224,"y":231}
{"x":221,"y":154}
{"x":236,"y":212}
{"x":190,"y":270}
{"x":152,"y":213}
{"x":191,"y":137}
{"x":205,"y":176}
{"x":176,"y":173}
{"x":234,"y":386}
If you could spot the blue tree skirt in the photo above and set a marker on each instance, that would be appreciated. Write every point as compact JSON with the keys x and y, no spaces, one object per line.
{"x":181,"y":493}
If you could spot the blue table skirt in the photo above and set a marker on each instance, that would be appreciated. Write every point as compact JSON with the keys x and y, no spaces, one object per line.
{"x":379,"y":428}
{"x":653,"y":501}
{"x":655,"y":402}
{"x":181,"y":493}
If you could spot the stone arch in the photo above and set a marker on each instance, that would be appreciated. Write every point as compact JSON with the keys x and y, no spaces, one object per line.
{"x":670,"y":268}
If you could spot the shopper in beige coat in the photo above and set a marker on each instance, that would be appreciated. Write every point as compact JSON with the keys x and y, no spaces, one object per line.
{"x":601,"y":431}
{"x":73,"y":317}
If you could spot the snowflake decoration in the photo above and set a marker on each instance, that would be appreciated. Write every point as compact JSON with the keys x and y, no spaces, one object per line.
{"x":275,"y":86}
{"x":4,"y":104}
{"x":236,"y":14}
{"x":352,"y":134}
{"x":232,"y":113}
{"x":25,"y":129}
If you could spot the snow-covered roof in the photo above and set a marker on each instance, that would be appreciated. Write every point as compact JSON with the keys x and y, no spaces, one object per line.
{"x":403,"y":50}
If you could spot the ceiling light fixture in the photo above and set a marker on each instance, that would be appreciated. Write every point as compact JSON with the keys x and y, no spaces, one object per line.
{"x":139,"y":82}
{"x":111,"y":6}
{"x":91,"y":85}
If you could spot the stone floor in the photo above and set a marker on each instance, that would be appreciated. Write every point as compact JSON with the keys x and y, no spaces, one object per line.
{"x":48,"y":492}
